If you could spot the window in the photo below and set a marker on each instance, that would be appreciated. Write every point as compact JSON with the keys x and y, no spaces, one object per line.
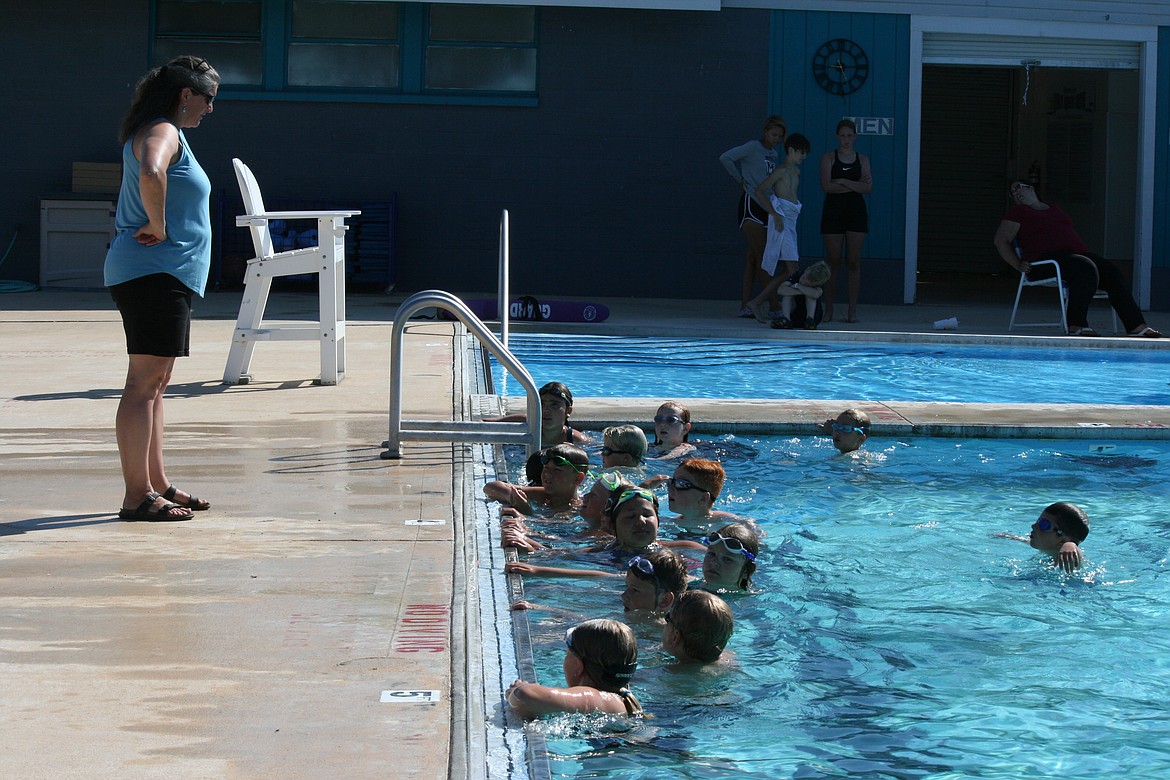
{"x":481,"y":47}
{"x":371,"y":50}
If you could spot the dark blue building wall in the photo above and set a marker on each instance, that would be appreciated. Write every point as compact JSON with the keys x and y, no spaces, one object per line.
{"x":1160,"y":272}
{"x":810,"y":110}
{"x":613,"y":182}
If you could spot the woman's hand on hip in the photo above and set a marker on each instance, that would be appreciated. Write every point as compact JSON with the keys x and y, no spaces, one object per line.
{"x":150,"y":234}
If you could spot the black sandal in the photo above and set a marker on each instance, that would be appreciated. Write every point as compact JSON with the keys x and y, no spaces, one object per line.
{"x":197,"y":504}
{"x":146,"y":511}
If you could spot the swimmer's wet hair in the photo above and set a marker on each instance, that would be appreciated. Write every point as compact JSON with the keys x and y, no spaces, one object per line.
{"x":572,"y":453}
{"x":629,"y":439}
{"x":609,"y":651}
{"x":751,"y":542}
{"x":1070,"y":519}
{"x":670,"y":571}
{"x":709,"y":474}
{"x":856,"y":418}
{"x":704,"y":623}
{"x":558,"y":390}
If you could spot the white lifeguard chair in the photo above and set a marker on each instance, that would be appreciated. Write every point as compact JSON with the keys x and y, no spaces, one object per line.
{"x":326,"y":260}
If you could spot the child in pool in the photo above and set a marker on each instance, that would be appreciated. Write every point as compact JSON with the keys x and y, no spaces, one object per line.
{"x":731,"y":558}
{"x":516,"y":533}
{"x":653,"y":581}
{"x":556,"y":404}
{"x":849,"y":430}
{"x":698,"y":627}
{"x":728,"y":563}
{"x":692,"y":491}
{"x":1058,"y":532}
{"x":672,"y":425}
{"x":623,"y":446}
{"x":631,"y":516}
{"x":600,"y":659}
{"x":563,"y":469}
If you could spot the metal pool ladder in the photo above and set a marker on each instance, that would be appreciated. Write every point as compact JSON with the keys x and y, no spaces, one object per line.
{"x":474,"y":431}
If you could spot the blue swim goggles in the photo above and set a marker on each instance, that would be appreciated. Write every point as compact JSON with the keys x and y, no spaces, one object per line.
{"x":730,"y":542}
{"x":848,"y":428}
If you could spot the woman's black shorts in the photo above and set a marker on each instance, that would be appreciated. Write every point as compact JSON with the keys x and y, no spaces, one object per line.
{"x":156,"y":315}
{"x":844,"y":212}
{"x":750,"y":211}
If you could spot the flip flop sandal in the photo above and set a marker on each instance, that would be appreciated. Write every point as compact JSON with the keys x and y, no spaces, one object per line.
{"x":1086,"y":331}
{"x":146,"y":511}
{"x":198,"y":504}
{"x":1147,"y":333}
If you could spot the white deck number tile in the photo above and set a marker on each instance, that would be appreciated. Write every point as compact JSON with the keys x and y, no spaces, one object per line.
{"x":410,"y":697}
{"x":426,"y":521}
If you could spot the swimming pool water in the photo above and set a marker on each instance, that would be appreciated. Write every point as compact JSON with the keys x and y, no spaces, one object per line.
{"x":712,"y":368}
{"x":893,"y":637}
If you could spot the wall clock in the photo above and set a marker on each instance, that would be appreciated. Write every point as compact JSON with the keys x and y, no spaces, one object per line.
{"x":840,"y":66}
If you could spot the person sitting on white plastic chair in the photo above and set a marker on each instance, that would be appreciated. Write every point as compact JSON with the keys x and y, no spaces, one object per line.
{"x":1045,"y":232}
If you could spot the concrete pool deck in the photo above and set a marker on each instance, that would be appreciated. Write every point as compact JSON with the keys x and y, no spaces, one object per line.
{"x":259,"y":639}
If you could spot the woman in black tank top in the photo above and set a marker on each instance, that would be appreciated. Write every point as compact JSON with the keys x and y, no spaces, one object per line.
{"x":845,"y":178}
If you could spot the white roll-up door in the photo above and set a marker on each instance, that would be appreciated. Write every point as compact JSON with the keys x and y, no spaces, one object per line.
{"x":948,"y":48}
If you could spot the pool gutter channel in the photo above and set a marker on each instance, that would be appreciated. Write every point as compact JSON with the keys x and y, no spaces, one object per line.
{"x":492,"y":742}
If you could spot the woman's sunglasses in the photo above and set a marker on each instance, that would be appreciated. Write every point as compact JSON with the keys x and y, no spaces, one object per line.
{"x":730,"y":542}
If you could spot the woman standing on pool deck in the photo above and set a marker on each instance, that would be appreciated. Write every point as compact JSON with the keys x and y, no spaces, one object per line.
{"x":845,"y":178}
{"x":749,"y":164}
{"x":160,"y":256}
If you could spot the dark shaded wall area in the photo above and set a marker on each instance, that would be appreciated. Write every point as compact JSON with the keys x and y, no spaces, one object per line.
{"x":612,"y":182}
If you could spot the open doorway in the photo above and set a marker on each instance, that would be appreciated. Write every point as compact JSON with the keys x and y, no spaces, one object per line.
{"x":1073,"y":131}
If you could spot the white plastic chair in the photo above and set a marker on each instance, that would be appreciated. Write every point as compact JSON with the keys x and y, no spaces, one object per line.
{"x":327,"y":260}
{"x":1057,"y":282}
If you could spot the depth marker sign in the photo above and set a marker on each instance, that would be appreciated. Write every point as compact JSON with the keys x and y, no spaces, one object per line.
{"x":410,"y":697}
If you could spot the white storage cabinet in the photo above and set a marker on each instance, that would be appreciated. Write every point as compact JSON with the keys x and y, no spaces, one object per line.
{"x":75,"y":234}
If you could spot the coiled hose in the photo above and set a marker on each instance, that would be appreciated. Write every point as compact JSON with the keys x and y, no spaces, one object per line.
{"x":10,"y":285}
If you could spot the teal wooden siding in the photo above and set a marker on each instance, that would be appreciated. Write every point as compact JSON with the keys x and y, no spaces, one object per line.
{"x":808,"y":109}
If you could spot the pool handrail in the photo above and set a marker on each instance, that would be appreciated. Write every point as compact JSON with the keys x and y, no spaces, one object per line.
{"x":472,"y":431}
{"x":502,"y":304}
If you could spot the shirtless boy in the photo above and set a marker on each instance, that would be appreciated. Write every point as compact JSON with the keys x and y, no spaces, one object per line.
{"x":779,"y":193}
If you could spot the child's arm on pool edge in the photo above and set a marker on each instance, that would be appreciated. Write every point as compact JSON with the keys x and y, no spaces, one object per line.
{"x":529,"y":570}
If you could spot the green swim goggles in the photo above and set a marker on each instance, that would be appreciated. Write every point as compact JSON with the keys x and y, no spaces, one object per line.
{"x":559,"y":460}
